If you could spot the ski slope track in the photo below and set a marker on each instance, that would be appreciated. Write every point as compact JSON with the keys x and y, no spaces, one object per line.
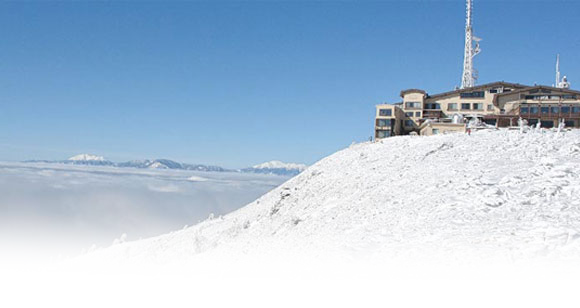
{"x":500,"y":195}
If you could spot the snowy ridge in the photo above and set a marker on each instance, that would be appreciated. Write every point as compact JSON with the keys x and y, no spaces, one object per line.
{"x":87,"y":157}
{"x":495,"y":194}
{"x":276,"y":164}
{"x":277,"y":167}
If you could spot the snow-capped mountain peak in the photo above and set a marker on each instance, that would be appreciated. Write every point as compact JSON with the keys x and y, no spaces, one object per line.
{"x":276,"y":164}
{"x":87,"y":157}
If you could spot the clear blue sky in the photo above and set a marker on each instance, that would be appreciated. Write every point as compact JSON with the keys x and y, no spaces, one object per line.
{"x":238,"y":83}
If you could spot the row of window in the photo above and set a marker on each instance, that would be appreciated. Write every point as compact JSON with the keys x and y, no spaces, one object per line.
{"x":548,"y":109}
{"x":464,"y":106}
{"x":547,"y":97}
{"x":413,"y":105}
{"x":386,"y":112}
{"x":385,"y":122}
{"x":391,"y":122}
{"x":541,"y":91}
{"x":437,"y":106}
{"x":499,"y":91}
{"x":468,"y":106}
{"x":476,"y":94}
{"x":411,"y":114}
{"x":383,"y":133}
{"x":549,"y":123}
{"x":433,"y":106}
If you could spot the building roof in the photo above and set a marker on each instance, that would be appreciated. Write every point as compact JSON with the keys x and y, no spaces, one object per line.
{"x":412,"y":91}
{"x":480,"y":87}
{"x":390,"y":104}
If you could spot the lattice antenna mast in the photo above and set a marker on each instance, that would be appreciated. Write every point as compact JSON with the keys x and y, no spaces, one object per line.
{"x":469,"y":73}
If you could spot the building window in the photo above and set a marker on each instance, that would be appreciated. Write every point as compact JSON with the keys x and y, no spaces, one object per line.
{"x":383,"y":134}
{"x":569,"y":97}
{"x":490,"y":121}
{"x":569,"y":123}
{"x":433,"y":106}
{"x":489,"y":107}
{"x":409,"y":123}
{"x":476,"y":94}
{"x":465,"y":106}
{"x":565,"y":109}
{"x":385,"y":112}
{"x":532,"y":122}
{"x":534,"y":110}
{"x":435,"y":131}
{"x":524,"y":110}
{"x":478,"y":106}
{"x":409,"y":114}
{"x":384,"y":122}
{"x":412,"y":105}
{"x":576,"y":109}
{"x":418,"y":114}
{"x":555,"y":109}
{"x":493,"y":91}
{"x":452,"y":106}
{"x":547,"y":124}
{"x":539,"y":97}
{"x":545,"y":110}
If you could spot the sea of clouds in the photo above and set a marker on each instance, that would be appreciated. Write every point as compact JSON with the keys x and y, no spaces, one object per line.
{"x":64,"y":210}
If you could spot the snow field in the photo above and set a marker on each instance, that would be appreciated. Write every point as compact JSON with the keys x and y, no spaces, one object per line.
{"x":494,"y":195}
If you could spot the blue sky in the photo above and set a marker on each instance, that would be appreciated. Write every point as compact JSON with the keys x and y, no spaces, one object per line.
{"x":238,"y":83}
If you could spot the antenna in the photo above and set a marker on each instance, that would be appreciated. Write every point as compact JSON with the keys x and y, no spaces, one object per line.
{"x":557,"y":71}
{"x":469,"y":73}
{"x":560,"y":83}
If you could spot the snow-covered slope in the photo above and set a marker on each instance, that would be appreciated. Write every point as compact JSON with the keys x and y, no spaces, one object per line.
{"x":276,"y":167}
{"x":496,"y":194}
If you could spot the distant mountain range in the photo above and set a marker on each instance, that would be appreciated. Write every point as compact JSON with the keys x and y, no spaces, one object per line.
{"x":276,"y":167}
{"x":272,"y":167}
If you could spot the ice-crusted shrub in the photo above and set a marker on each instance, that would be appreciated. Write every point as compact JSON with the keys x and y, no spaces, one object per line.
{"x":561,"y":126}
{"x":121,"y":239}
{"x":237,"y":227}
{"x":198,"y":242}
{"x":92,"y":248}
{"x":296,"y":220}
{"x":523,"y":124}
{"x":246,"y":224}
{"x":274,"y":210}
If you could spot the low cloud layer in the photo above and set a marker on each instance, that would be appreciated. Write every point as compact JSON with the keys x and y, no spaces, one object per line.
{"x":76,"y":207}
